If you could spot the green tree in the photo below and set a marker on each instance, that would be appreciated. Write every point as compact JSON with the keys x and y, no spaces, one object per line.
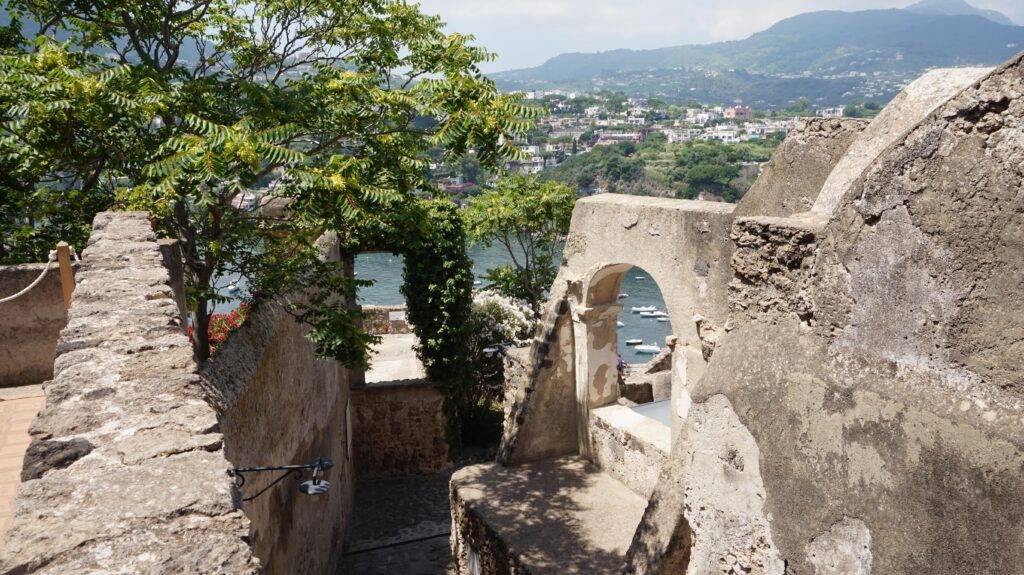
{"x":529,"y":219}
{"x":194,"y":103}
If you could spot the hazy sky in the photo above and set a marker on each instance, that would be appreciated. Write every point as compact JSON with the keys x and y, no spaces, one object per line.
{"x":527,"y":32}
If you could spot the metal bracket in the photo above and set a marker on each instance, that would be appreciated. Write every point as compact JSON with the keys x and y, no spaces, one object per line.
{"x":316,"y":484}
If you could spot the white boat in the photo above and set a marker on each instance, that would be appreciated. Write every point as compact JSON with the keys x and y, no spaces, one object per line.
{"x":623,"y":295}
{"x":634,"y":341}
{"x":642,"y":309}
{"x":652,"y":349}
{"x":648,"y":314}
{"x":663,"y":319}
{"x":639,"y":278}
{"x":232,"y":287}
{"x":477,"y":282}
{"x":621,"y":324}
{"x":660,"y":314}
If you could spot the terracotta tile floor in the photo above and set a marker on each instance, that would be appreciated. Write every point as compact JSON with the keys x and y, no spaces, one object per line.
{"x":18,"y":406}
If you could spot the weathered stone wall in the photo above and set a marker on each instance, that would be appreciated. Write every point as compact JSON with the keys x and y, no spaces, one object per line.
{"x":126,"y":471}
{"x":30,"y":324}
{"x":628,"y":446}
{"x":398,"y":427}
{"x":385,"y":319}
{"x":789,"y":183}
{"x":279,"y":405}
{"x":863,"y":412}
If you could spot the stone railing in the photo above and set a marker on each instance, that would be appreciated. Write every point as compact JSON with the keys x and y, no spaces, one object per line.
{"x":385,"y":319}
{"x":126,"y":471}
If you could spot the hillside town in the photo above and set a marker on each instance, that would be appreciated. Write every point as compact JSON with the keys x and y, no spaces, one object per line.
{"x":577,"y":123}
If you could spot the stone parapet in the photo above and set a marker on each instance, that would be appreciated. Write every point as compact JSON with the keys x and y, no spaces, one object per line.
{"x":126,"y":471}
{"x":385,"y":319}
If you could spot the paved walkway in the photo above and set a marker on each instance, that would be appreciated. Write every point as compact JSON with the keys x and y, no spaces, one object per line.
{"x":400,"y":526}
{"x":394,"y":359}
{"x":18,"y":406}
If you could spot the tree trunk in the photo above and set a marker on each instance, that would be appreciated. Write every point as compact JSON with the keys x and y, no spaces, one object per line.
{"x":201,"y":333}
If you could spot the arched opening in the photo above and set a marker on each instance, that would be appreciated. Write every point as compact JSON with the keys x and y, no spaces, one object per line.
{"x":645,"y":359}
{"x":623,"y":346}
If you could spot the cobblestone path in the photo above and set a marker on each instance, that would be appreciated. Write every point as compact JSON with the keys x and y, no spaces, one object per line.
{"x":400,"y":526}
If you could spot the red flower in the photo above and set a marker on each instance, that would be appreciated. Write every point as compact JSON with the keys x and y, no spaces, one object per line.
{"x":222,"y":324}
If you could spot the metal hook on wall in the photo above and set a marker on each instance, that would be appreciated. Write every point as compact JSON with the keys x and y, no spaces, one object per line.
{"x":316,"y":485}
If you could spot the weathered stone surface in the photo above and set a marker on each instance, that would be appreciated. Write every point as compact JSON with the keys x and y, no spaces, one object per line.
{"x":126,"y":472}
{"x":554,"y":517}
{"x":628,"y":446}
{"x":903,"y":113}
{"x":845,"y":549}
{"x":790,"y":182}
{"x":399,"y":427}
{"x":891,"y":395}
{"x":385,"y":319}
{"x":44,"y":455}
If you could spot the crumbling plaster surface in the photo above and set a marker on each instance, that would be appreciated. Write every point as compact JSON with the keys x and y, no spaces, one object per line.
{"x":903,"y":113}
{"x":790,"y":181}
{"x":126,"y":471}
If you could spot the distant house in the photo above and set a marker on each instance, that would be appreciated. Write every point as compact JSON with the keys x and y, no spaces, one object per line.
{"x":738,"y":113}
{"x":611,"y":138}
{"x":836,"y":112}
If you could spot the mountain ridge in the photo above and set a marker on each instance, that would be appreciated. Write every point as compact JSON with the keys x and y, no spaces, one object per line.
{"x":824,"y":44}
{"x":957,"y":7}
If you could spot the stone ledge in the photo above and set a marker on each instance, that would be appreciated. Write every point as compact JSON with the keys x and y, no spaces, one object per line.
{"x":550,"y":517}
{"x":629,"y":446}
{"x":131,"y":474}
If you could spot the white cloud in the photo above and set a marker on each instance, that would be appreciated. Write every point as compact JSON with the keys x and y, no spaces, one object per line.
{"x":527,"y":32}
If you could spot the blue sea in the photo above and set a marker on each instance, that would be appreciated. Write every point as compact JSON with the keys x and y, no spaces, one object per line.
{"x":386,"y":272}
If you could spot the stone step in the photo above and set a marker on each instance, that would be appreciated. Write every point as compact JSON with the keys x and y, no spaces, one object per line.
{"x":560,"y":516}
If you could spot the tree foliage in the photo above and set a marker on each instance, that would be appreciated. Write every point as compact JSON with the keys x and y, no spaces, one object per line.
{"x":529,"y":219}
{"x":183,"y":107}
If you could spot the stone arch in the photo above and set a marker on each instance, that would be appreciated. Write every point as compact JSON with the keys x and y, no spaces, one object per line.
{"x":595,"y":312}
{"x":685,"y":249}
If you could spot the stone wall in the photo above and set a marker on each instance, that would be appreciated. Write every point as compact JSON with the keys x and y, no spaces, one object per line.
{"x":126,"y":471}
{"x":399,"y":427}
{"x":385,"y":319}
{"x":628,"y":446}
{"x":30,"y":325}
{"x":279,"y":405}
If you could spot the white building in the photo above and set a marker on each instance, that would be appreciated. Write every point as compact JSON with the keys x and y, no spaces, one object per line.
{"x":836,"y":112}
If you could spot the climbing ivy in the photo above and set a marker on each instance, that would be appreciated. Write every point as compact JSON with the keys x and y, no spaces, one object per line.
{"x":438,"y":289}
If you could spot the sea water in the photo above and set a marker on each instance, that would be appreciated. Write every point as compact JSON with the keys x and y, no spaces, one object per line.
{"x":386,"y":272}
